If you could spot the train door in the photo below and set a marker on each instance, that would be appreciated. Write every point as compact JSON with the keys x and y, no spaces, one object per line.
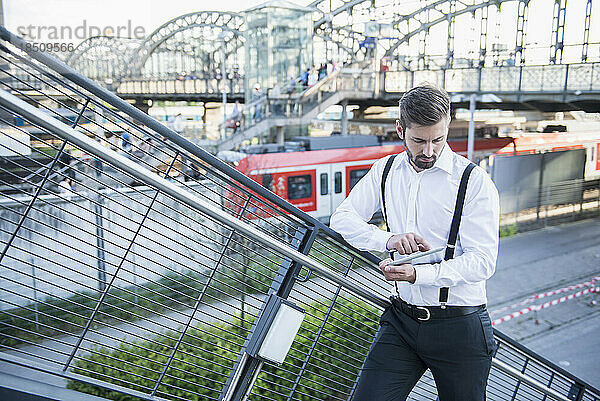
{"x":324,"y":190}
{"x":338,"y":183}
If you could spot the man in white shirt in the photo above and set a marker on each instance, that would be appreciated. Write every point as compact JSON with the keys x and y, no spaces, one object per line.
{"x":437,"y":319}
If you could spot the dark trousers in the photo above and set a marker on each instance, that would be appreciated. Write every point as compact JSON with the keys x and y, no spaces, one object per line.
{"x":457,"y":350}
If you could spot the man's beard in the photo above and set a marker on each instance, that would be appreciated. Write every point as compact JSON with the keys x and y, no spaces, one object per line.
{"x":417,"y":161}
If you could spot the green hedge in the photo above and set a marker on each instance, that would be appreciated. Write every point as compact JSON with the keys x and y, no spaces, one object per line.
{"x":205,"y":360}
{"x":55,"y":316}
{"x":151,"y":298}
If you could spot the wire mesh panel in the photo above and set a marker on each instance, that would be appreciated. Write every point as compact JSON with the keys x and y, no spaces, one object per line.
{"x":113,"y":282}
{"x":336,"y":334}
{"x":106,"y":277}
{"x":108,"y":267}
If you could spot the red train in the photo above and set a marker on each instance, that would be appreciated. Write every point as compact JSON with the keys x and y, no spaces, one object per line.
{"x":318,"y":181}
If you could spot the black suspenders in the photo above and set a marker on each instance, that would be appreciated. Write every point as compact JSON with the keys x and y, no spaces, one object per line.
{"x":460,"y":201}
{"x":386,"y":172}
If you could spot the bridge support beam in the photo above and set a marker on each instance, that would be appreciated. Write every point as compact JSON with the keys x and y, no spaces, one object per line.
{"x":344,"y":117}
{"x":471,"y":139}
{"x":521,"y":32}
{"x":586,"y":31}
{"x":450,"y":39}
{"x":558,"y":31}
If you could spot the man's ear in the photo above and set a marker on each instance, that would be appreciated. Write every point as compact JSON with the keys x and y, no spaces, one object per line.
{"x":399,"y":130}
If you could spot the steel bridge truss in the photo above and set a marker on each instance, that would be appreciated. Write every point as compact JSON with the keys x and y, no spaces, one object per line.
{"x":341,"y":30}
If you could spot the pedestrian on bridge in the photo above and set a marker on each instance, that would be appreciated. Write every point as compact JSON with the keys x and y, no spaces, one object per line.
{"x":275,"y":96}
{"x":258,"y":103}
{"x":430,"y":197}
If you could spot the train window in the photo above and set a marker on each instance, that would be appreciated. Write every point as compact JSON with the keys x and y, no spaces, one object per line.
{"x":267,"y":181}
{"x":356,"y":175}
{"x":324,"y":184}
{"x":337,"y":182}
{"x":299,"y":187}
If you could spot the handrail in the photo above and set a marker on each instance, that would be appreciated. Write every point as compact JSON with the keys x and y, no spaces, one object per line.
{"x":130,"y":110}
{"x":331,"y":77}
{"x":315,"y":88}
{"x":20,"y":107}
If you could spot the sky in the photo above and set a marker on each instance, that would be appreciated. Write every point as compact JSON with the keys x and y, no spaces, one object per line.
{"x":147,"y":15}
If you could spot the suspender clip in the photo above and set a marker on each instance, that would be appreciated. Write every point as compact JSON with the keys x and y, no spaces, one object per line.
{"x":443,"y":305}
{"x":451,"y":246}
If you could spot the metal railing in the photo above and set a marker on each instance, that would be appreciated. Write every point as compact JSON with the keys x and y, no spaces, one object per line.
{"x":163,"y":87}
{"x":146,"y":277}
{"x":560,"y":79}
{"x":526,"y":207}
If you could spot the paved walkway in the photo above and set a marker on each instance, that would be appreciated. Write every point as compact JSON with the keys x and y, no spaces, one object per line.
{"x":548,"y":259}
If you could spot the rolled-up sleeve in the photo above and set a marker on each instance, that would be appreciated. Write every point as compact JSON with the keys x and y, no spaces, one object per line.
{"x":478,"y":236}
{"x":352,"y":216}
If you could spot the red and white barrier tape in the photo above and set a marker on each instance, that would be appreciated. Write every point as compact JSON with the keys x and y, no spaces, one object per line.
{"x":592,"y":281}
{"x":534,"y":308}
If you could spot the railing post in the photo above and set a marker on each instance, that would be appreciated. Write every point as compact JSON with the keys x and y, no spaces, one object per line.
{"x":566,"y":83}
{"x":540,"y":184}
{"x":520,"y":82}
{"x":517,"y":193}
{"x":580,"y":192}
{"x":246,"y":369}
{"x":576,"y":392}
{"x":547,"y":201}
{"x":519,"y":382}
{"x":318,"y":335}
{"x":598,"y":206}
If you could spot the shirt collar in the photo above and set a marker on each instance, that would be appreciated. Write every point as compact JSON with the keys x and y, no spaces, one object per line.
{"x":444,"y":161}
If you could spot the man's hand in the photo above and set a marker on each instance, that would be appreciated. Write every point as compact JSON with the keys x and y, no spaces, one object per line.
{"x":405,"y":272}
{"x":408,"y":243}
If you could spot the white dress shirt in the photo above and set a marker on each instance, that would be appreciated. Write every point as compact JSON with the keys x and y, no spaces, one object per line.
{"x":423,"y":203}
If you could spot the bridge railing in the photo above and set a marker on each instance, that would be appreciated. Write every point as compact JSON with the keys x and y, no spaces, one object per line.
{"x":146,"y":278}
{"x":559,"y":78}
{"x":131,"y":87}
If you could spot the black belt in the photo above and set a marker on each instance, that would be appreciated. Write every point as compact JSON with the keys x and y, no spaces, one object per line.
{"x":424,"y":313}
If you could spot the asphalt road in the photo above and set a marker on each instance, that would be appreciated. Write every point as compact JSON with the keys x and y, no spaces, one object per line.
{"x":575,"y":347}
{"x":567,"y":333}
